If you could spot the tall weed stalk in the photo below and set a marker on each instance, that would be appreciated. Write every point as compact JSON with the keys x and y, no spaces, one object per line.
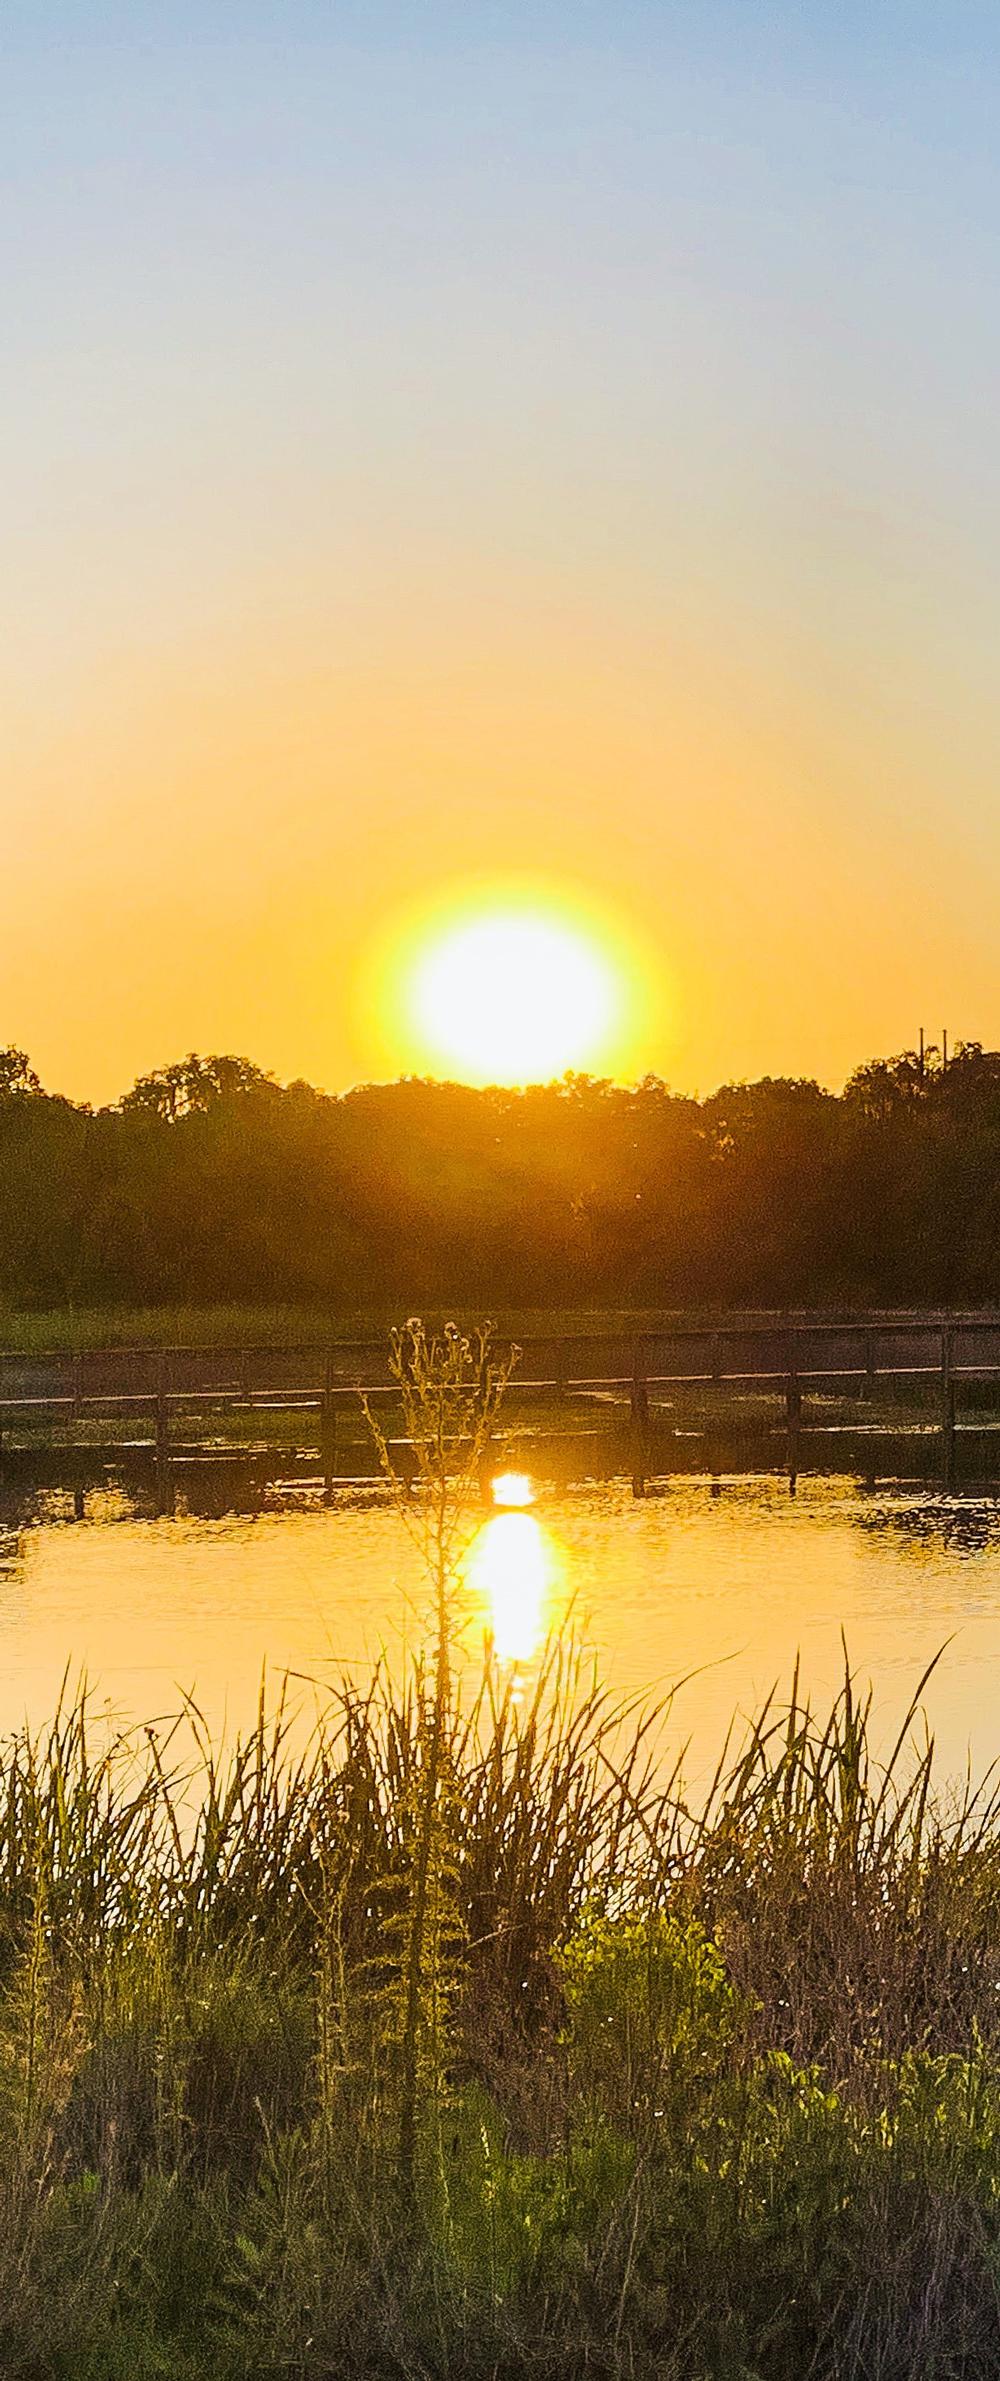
{"x":450,"y":1387}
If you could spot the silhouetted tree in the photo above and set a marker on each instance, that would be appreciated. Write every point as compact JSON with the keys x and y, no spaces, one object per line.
{"x":209,"y":1181}
{"x":16,"y":1072}
{"x":194,"y":1084}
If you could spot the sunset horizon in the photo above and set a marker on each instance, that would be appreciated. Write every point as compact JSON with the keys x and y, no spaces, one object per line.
{"x":925,"y":1041}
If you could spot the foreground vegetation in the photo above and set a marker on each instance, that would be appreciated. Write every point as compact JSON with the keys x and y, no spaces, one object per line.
{"x":456,"y":2044}
{"x":572,"y":2081}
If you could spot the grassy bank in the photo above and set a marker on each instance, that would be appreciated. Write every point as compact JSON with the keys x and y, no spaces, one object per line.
{"x":704,"y":2094}
{"x":33,"y":1332}
{"x":36,"y":1331}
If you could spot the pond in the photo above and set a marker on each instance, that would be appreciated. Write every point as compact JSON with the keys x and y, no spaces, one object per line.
{"x":720,"y":1584}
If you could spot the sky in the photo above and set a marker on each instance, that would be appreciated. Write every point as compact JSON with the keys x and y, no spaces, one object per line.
{"x":444,"y":445}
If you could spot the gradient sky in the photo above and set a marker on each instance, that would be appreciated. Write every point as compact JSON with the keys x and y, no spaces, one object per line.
{"x":545,"y":440}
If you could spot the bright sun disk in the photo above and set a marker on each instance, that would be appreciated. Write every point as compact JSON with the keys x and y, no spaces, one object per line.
{"x":514,"y":996}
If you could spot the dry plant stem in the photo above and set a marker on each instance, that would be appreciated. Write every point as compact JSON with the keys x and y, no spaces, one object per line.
{"x":450,"y":1387}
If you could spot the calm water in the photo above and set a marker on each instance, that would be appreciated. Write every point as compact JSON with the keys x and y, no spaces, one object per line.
{"x":729,"y":1582}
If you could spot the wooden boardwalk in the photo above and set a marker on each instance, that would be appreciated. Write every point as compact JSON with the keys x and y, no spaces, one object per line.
{"x":626,"y":1380}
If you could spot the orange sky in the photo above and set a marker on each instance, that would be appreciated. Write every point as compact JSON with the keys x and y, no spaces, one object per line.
{"x":543,"y":455}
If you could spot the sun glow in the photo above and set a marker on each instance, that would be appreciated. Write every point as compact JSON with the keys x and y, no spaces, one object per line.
{"x":513,"y":991}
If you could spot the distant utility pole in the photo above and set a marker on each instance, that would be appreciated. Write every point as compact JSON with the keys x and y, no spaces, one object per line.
{"x":921,"y":1054}
{"x":944,"y":1049}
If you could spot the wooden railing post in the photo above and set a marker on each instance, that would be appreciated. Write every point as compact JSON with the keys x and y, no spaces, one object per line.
{"x":328,"y":1431}
{"x":947,"y":1406}
{"x":871,"y":1375}
{"x":793,"y":1408}
{"x":640,"y":1420}
{"x":164,"y":1482}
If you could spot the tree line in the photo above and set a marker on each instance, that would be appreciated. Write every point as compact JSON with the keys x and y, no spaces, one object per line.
{"x":210,"y":1182}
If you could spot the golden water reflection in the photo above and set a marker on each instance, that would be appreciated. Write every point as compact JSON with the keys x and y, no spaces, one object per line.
{"x":513,"y":1572}
{"x":513,"y":1488}
{"x":724,"y":1590}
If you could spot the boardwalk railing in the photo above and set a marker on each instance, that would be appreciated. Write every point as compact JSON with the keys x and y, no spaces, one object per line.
{"x":794,"y":1356}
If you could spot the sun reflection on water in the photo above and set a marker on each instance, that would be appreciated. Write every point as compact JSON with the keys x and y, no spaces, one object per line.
{"x":512,"y":1488}
{"x":513,"y":1570}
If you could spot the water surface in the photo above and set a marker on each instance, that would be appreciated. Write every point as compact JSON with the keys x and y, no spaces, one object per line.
{"x":730,"y":1581}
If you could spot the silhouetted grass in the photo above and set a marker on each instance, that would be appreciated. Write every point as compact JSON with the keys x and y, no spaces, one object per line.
{"x":711,"y":2092}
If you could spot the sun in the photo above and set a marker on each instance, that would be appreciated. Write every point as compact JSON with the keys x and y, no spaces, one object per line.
{"x":514,"y":994}
{"x":512,"y":981}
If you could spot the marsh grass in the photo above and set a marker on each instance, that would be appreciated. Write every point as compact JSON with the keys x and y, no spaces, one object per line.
{"x":455,"y":2042}
{"x":711,"y":2091}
